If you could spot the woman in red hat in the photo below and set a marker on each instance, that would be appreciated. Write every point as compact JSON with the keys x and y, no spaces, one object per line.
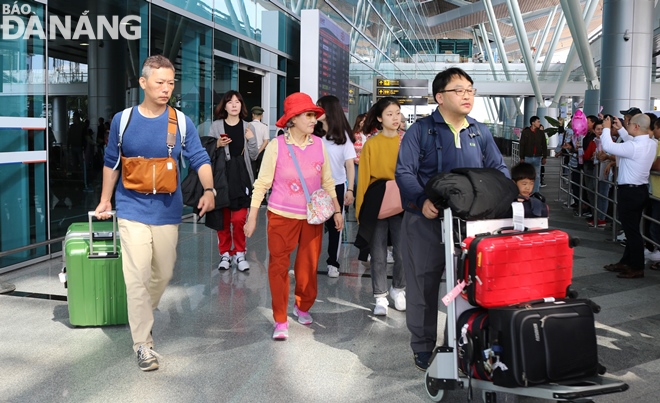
{"x":287,"y":208}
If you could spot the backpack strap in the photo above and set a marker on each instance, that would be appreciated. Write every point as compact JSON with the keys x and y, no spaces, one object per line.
{"x":126,"y":115}
{"x":181,"y":122}
{"x":430,"y":133}
{"x":480,"y":140}
{"x":429,"y":130}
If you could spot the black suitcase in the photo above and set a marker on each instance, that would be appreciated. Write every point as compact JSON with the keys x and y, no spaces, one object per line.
{"x":543,"y":342}
{"x":472,"y":335}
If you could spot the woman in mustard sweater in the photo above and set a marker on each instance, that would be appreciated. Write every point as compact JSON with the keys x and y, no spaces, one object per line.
{"x":378,"y":161}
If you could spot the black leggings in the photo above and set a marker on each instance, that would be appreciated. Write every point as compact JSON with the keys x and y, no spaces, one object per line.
{"x":333,"y":234}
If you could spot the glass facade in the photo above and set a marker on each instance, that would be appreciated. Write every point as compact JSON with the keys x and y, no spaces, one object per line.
{"x":60,"y":92}
{"x":23,"y":219}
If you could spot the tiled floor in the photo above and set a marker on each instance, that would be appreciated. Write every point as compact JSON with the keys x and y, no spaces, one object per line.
{"x":213,"y":330}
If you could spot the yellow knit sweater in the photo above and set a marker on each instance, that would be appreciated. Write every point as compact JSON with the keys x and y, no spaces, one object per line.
{"x":377,"y":161}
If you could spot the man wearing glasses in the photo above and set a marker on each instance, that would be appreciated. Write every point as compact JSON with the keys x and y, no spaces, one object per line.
{"x":463,"y":143}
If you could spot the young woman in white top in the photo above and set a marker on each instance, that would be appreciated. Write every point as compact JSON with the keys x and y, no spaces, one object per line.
{"x":338,"y":138}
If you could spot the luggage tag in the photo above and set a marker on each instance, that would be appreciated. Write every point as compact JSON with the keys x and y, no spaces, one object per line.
{"x":451,"y":295}
{"x":488,"y":360}
{"x":499,"y":364}
{"x":518,"y":216}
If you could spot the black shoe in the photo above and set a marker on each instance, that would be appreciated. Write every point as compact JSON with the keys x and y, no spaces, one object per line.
{"x":146,"y":358}
{"x":422,"y":360}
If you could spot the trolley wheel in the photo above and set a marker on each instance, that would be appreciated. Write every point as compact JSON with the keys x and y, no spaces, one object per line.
{"x":489,"y":397}
{"x":434,"y":391}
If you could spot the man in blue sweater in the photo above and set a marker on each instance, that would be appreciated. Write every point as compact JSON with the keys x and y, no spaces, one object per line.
{"x":149,"y":223}
{"x":462,"y":143}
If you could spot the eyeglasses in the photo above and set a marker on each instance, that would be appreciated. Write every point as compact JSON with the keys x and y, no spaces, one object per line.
{"x":461,"y":91}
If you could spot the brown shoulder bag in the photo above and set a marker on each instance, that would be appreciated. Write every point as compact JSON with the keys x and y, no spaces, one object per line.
{"x":153,"y":175}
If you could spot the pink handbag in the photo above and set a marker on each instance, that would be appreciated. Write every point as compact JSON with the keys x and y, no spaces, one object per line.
{"x":391,"y":204}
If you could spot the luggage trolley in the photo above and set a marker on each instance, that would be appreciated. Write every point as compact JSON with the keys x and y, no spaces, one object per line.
{"x":442,"y":373}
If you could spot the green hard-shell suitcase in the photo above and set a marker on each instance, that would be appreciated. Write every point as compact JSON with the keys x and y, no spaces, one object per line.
{"x":94,"y":277}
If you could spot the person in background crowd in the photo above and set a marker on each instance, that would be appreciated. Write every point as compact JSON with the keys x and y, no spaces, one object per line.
{"x":339,"y":140}
{"x":75,"y":141}
{"x":262,"y":134}
{"x":100,"y":128}
{"x":236,"y":137}
{"x":421,"y":231}
{"x":287,"y":209}
{"x":379,"y":157}
{"x":628,"y":114}
{"x":149,"y":223}
{"x":107,"y":132}
{"x":543,"y":166}
{"x":652,"y":118}
{"x":534,"y":148}
{"x":596,"y":169}
{"x":636,"y":156}
{"x":654,"y":229}
{"x":360,"y":139}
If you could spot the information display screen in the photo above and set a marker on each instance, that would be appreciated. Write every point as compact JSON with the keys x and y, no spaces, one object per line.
{"x":333,"y":61}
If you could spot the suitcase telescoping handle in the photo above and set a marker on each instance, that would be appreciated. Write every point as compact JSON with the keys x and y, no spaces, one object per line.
{"x":103,"y":236}
{"x":572,"y":241}
{"x":594,"y":306}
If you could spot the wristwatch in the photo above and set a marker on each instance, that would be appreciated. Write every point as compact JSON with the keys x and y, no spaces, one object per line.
{"x":215,"y":193}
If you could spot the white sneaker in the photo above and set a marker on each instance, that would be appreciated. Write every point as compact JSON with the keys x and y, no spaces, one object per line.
{"x":390,"y":257}
{"x":240,"y":261}
{"x":652,"y":256}
{"x":333,"y":272}
{"x":399,"y":297}
{"x":621,"y":236}
{"x":225,"y":261}
{"x":381,"y":306}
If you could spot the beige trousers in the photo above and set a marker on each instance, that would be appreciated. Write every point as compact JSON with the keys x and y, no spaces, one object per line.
{"x":148,"y":257}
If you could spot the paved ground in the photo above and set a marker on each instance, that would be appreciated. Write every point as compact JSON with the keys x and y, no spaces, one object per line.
{"x":213,"y":330}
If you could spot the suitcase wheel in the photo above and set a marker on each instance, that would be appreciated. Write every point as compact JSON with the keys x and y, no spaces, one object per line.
{"x":571,"y":293}
{"x":573,"y":242}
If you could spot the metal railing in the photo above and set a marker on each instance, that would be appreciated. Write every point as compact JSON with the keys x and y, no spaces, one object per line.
{"x":515,"y":153}
{"x":572,"y":180}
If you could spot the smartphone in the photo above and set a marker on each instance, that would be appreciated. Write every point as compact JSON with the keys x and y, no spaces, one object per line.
{"x":224,"y":135}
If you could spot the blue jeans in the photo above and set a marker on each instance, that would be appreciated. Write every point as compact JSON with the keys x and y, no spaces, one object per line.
{"x":603,"y":203}
{"x":536,"y":162}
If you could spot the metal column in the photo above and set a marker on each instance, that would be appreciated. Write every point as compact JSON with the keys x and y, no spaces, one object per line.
{"x":588,"y":14}
{"x":489,"y":52}
{"x":559,"y":28}
{"x":546,"y":31}
{"x":628,"y":33}
{"x":579,"y":33}
{"x":492,"y":20}
{"x":530,"y":109}
{"x":519,"y":25}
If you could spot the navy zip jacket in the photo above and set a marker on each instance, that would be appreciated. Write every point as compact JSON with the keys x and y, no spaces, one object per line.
{"x":412,"y":174}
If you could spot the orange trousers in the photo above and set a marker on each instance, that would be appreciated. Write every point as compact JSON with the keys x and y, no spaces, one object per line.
{"x":284,"y":234}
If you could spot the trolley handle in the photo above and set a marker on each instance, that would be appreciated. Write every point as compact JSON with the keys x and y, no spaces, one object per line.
{"x":103,"y":236}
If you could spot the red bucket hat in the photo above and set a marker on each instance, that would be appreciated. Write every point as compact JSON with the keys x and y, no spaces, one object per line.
{"x":295,"y":104}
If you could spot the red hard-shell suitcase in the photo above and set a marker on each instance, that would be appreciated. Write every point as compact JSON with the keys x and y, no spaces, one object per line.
{"x":509,"y":268}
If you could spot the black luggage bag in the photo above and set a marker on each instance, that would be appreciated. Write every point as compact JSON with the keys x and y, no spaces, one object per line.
{"x":472,"y":335}
{"x":543,"y":342}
